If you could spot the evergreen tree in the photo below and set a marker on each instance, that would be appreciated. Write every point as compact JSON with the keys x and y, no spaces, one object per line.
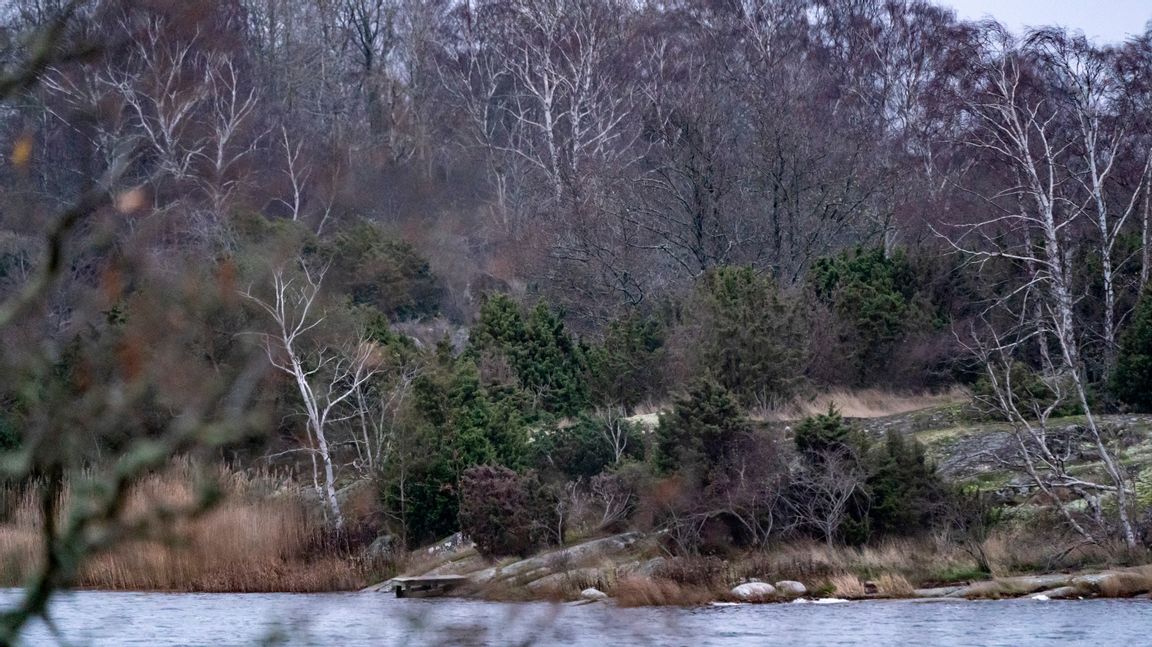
{"x":702,"y":428}
{"x":552,"y":364}
{"x":877,"y":296}
{"x":549,"y":363}
{"x":627,"y":366}
{"x":377,"y":270}
{"x":750,"y":338}
{"x":906,"y":492}
{"x":580,"y":449}
{"x":499,"y":327}
{"x":828,"y":432}
{"x":1132,"y":379}
{"x":460,"y":423}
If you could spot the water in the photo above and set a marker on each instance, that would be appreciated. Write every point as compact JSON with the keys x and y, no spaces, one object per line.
{"x":352,"y":619}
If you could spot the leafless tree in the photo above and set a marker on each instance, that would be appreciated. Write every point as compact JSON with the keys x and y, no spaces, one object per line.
{"x":1041,"y":452}
{"x":823,"y":489}
{"x":326,"y":378}
{"x":1091,"y":99}
{"x":614,"y":495}
{"x":377,"y":406}
{"x":1019,"y":127}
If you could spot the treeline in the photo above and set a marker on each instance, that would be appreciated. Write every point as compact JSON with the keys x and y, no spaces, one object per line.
{"x":425,"y":243}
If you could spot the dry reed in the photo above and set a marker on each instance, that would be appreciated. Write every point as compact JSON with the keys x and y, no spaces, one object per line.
{"x":257,"y":539}
{"x":1126,"y":584}
{"x":892,"y":585}
{"x":847,"y":586}
{"x":639,"y":591}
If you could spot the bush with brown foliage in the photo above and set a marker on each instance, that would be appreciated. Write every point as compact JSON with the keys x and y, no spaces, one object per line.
{"x":503,"y":512}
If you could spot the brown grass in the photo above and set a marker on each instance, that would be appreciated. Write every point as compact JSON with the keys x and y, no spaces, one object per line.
{"x":255,"y":540}
{"x":808,"y":561}
{"x":847,"y":586}
{"x":640,"y":591}
{"x":991,"y":590}
{"x":892,"y":585}
{"x":864,"y":403}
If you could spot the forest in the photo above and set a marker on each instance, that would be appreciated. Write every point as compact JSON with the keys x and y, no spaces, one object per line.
{"x":541,"y":269}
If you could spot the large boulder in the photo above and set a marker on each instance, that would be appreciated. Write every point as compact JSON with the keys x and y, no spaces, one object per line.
{"x":754,"y":592}
{"x":383,"y":547}
{"x":452,"y":544}
{"x":936,"y":592}
{"x":791,"y":588}
{"x":534,"y":568}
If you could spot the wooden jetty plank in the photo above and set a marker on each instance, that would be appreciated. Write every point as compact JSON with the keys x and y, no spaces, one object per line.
{"x":429,"y":586}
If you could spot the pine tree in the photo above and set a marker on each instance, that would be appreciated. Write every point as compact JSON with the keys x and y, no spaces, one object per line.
{"x":549,"y":363}
{"x":625,"y":368}
{"x":828,"y":432}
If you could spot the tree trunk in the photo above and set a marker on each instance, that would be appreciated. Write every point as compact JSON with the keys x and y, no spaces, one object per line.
{"x":329,"y":476}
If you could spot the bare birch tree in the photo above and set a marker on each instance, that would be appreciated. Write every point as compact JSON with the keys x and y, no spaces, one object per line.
{"x":1091,"y":98}
{"x":1018,"y":125}
{"x":326,"y":378}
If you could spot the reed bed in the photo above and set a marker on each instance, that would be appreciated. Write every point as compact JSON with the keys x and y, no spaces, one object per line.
{"x":262,"y":536}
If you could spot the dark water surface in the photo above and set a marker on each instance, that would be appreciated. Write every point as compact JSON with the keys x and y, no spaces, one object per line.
{"x":353,"y":619}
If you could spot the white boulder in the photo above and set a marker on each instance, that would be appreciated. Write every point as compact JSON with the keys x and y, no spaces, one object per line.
{"x":791,"y":588}
{"x":754,"y":591}
{"x":593,"y":595}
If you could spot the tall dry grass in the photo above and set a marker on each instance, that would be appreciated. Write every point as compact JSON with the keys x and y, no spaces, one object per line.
{"x":863,"y":403}
{"x":258,"y":538}
{"x":917,"y":560}
{"x":640,"y":591}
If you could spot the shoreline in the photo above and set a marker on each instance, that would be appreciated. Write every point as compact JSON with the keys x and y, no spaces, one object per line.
{"x":619,"y":569}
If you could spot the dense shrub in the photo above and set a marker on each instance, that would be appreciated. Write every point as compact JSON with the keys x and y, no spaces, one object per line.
{"x":581,"y":449}
{"x":879,"y":300}
{"x":503,"y":512}
{"x":627,"y":366}
{"x":9,"y":434}
{"x":901,"y":492}
{"x":386,"y":273}
{"x":828,"y":432}
{"x":453,"y":422}
{"x":907,"y":495}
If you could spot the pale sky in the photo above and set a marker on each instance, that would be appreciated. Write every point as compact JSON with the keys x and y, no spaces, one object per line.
{"x":1101,"y":20}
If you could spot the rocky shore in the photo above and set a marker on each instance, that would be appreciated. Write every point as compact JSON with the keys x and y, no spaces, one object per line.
{"x":622,"y":569}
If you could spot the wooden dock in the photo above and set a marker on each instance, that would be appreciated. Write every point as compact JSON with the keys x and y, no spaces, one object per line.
{"x":428,"y":586}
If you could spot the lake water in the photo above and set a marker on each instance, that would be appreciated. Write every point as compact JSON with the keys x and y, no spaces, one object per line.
{"x":351,"y":619}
